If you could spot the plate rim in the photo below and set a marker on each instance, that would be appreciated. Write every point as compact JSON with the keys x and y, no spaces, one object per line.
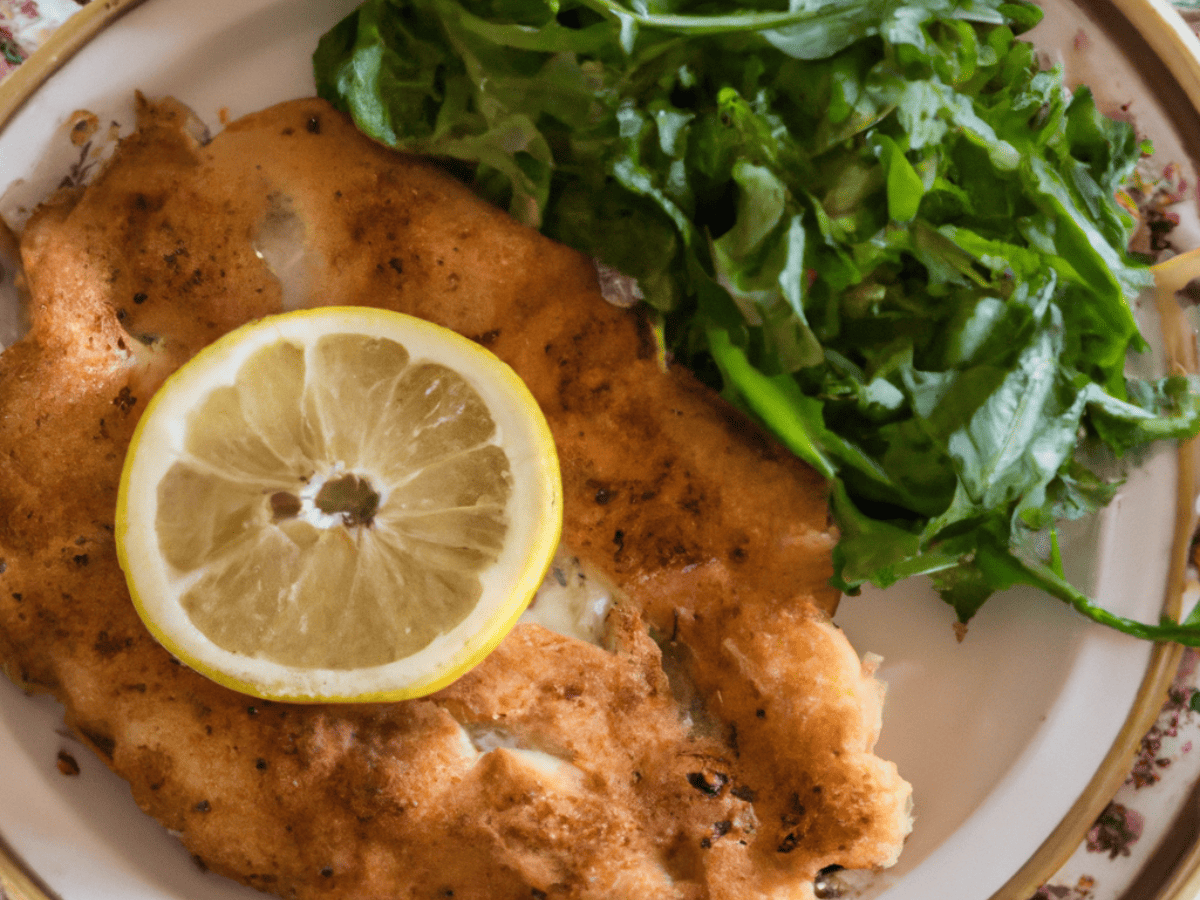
{"x":1177,"y":48}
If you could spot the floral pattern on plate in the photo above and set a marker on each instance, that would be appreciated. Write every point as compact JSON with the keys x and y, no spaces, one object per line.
{"x":25,"y":24}
{"x":1153,"y":818}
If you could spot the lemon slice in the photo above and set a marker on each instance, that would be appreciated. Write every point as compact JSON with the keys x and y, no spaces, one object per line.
{"x":340,"y":503}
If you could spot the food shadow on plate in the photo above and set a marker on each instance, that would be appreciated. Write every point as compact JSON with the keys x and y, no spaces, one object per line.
{"x":81,"y":834}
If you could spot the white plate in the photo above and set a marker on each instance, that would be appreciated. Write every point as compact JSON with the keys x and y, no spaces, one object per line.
{"x":1001,"y":735}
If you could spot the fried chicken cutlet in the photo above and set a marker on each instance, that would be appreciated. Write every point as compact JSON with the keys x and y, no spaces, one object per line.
{"x":557,"y":767}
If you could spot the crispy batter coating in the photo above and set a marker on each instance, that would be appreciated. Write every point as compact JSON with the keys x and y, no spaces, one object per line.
{"x":554,"y":769}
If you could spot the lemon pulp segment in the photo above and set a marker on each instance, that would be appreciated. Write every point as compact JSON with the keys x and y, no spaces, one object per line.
{"x":338,"y":503}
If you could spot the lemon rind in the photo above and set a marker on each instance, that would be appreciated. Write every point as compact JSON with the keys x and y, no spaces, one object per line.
{"x":145,"y":575}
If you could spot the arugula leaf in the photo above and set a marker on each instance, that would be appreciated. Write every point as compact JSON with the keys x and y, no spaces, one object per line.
{"x":875,"y":225}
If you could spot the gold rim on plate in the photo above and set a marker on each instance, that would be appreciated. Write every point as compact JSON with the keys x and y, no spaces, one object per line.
{"x":1174,"y":47}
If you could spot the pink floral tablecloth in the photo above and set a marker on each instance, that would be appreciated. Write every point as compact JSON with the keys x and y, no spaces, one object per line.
{"x":24,"y":24}
{"x":1152,"y":822}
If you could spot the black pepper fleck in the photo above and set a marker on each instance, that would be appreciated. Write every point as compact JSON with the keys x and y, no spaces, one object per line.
{"x":744,"y":793}
{"x":124,"y":401}
{"x":313,"y":125}
{"x":794,"y":814}
{"x":710,"y":786}
{"x":66,"y":763}
{"x":203,"y":806}
{"x":139,"y":298}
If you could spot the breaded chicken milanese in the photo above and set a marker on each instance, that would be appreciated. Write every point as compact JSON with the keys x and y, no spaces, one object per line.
{"x":601,"y":781}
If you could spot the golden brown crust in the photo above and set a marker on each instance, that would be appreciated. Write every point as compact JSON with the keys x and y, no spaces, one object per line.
{"x":718,"y":539}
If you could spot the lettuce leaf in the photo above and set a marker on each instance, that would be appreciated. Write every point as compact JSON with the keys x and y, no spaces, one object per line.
{"x":878,"y":226}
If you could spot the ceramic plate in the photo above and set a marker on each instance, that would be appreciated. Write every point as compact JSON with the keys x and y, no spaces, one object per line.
{"x":1013,"y":738}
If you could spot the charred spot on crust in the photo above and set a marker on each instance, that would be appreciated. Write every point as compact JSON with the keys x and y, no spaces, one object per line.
{"x":124,"y":401}
{"x":172,"y":258}
{"x":709,"y":785}
{"x":107,"y":645}
{"x":794,"y":814}
{"x":742,"y":792}
{"x":103,"y":744}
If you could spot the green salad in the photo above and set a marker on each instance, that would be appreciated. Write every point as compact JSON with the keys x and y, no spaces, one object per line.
{"x":878,"y":226}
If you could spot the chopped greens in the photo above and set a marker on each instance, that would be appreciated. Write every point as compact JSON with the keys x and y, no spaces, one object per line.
{"x":876,"y":225}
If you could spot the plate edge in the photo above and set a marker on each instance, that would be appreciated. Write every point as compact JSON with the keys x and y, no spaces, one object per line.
{"x":1177,"y":47}
{"x":59,"y":47}
{"x":17,"y":881}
